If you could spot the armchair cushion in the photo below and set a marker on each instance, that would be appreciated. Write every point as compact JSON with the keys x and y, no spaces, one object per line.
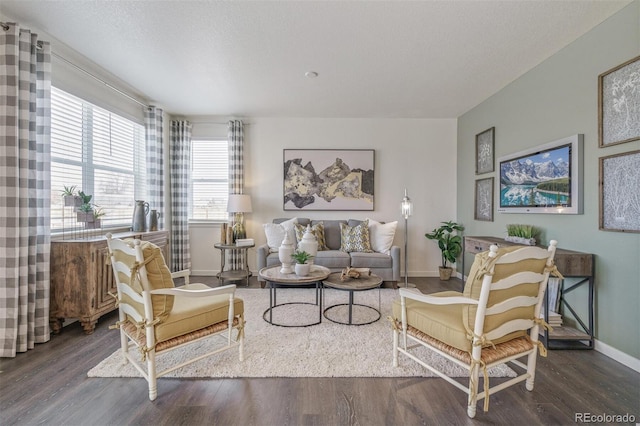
{"x":442,"y":322}
{"x":474,"y":285}
{"x":158,"y":275}
{"x":193,"y":313}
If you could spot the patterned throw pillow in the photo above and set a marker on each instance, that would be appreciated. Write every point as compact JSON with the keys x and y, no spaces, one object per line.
{"x":317,"y":230}
{"x":355,"y":238}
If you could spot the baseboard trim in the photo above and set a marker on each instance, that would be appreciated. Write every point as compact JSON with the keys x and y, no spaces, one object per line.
{"x":617,"y":355}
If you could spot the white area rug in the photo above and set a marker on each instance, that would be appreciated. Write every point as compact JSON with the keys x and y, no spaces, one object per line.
{"x":324,"y":350}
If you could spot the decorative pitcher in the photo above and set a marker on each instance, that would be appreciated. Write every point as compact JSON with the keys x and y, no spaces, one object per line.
{"x":154,"y":218}
{"x":140,"y":212}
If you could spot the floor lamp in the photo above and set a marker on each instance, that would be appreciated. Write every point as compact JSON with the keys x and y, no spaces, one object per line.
{"x":407,"y":209}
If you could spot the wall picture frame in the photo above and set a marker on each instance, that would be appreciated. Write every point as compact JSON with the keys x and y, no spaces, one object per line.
{"x":484,"y":200}
{"x":619,"y":197}
{"x":619,"y":104}
{"x":329,"y":179}
{"x":485,"y":151}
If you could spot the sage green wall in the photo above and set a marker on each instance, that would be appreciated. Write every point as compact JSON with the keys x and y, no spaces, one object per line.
{"x":555,"y":99}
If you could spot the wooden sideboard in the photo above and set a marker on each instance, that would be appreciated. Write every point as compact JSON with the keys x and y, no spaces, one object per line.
{"x":82,"y":278}
{"x":571,"y":264}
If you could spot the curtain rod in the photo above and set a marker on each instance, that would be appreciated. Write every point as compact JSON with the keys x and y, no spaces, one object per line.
{"x":5,"y":27}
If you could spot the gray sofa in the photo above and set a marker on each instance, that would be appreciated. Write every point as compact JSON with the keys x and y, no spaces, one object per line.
{"x":386,"y":266}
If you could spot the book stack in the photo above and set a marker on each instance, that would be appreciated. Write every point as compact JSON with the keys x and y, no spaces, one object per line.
{"x":244,"y":242}
{"x":554,"y":320}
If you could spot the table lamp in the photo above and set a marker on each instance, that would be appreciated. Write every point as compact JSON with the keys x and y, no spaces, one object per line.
{"x":239,"y":204}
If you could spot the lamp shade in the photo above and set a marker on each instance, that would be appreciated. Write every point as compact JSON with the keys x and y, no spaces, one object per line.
{"x":239,"y":203}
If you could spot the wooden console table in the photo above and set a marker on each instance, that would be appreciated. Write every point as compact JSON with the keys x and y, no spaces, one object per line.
{"x":82,"y":278}
{"x":571,"y":264}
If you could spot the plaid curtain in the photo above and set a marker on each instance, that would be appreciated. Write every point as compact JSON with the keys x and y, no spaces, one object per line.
{"x":180,"y":147}
{"x":155,"y":166}
{"x":236,"y":176}
{"x":25,"y":184}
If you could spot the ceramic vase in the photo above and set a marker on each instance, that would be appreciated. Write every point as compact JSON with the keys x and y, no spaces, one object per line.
{"x":302,"y":269}
{"x":309,"y":243}
{"x":284,"y":254}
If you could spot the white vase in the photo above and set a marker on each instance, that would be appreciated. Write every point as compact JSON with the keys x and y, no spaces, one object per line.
{"x":302,"y":269}
{"x":284,"y":254}
{"x":309,"y":243}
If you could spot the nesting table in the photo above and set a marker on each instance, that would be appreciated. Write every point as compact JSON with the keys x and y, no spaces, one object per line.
{"x":352,"y":285}
{"x":275,"y":278}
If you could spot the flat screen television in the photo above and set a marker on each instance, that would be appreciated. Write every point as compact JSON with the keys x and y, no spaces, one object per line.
{"x":544,"y":179}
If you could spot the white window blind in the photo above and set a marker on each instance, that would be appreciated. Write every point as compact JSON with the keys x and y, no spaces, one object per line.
{"x":98,"y":152}
{"x":209,"y":179}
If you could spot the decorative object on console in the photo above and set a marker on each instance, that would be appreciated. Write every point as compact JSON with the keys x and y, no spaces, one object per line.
{"x":619,"y":181}
{"x":450,"y":245}
{"x":484,"y":200}
{"x":308,"y":243}
{"x":521,"y":234}
{"x":239,"y":204}
{"x":407,"y":210}
{"x":543,"y":179}
{"x":484,"y":151}
{"x":619,"y":104}
{"x":284,"y":254}
{"x":140,"y":212}
{"x":302,"y":265}
{"x":328,"y":179}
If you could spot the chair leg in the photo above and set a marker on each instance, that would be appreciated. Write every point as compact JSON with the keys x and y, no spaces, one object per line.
{"x":395,"y":348}
{"x":473,"y":391}
{"x":124,"y":347}
{"x":241,"y":346}
{"x":531,"y":370}
{"x":151,"y":373}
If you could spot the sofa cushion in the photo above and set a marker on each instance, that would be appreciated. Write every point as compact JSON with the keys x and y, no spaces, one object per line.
{"x":381,"y":235}
{"x":275,"y":233}
{"x":370,"y":260}
{"x":355,"y":238}
{"x":332,"y":237}
{"x":317,"y":230}
{"x":332,"y":259}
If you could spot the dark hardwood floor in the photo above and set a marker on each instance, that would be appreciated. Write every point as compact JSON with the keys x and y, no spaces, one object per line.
{"x":48,"y":385}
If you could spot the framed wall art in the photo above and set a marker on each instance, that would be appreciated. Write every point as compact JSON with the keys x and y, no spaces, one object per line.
{"x":484,"y":151}
{"x":329,"y":179}
{"x":484,"y":200}
{"x":619,"y":196}
{"x":619,"y":104}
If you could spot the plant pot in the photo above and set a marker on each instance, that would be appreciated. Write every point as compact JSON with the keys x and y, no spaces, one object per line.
{"x":302,"y":269}
{"x":521,"y":240}
{"x":445,"y":273}
{"x":85,"y":217}
{"x":72,"y":201}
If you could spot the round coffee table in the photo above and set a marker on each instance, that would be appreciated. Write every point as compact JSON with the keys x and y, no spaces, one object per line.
{"x":352,"y":285}
{"x":275,"y":278}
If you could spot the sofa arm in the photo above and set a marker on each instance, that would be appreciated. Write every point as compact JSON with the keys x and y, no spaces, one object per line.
{"x":395,"y":262}
{"x":261,"y":256}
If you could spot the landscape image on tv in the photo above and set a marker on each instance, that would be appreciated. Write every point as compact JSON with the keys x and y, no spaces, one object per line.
{"x":541,"y":179}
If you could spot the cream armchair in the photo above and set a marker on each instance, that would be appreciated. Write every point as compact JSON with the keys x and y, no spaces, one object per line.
{"x":155,"y":317}
{"x":494,"y":321}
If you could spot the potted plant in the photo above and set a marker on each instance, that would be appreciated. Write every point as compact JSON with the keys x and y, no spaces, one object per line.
{"x":70,"y":197}
{"x":301,"y":258}
{"x":85,"y":213}
{"x":450,"y":245}
{"x":522,"y":234}
{"x":98,"y":213}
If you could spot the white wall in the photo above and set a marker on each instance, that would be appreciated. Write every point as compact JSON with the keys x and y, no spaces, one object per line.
{"x":417,"y":154}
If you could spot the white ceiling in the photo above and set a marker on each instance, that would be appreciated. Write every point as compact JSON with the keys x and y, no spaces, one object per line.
{"x":424,"y":59}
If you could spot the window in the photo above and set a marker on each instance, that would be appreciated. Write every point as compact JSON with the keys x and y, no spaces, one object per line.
{"x":209,"y":179}
{"x":98,"y":152}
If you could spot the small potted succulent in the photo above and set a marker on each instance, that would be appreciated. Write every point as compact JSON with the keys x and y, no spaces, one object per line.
{"x":301,"y":258}
{"x":69,"y":196}
{"x":98,"y":213}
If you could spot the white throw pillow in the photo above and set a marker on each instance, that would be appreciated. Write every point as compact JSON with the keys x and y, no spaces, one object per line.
{"x":381,"y":235}
{"x":275,"y":233}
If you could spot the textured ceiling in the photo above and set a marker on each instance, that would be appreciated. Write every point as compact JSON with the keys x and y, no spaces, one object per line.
{"x":425,"y":59}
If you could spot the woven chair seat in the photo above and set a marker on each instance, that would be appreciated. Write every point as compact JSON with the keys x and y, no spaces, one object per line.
{"x":489,"y":355}
{"x":140,"y":337}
